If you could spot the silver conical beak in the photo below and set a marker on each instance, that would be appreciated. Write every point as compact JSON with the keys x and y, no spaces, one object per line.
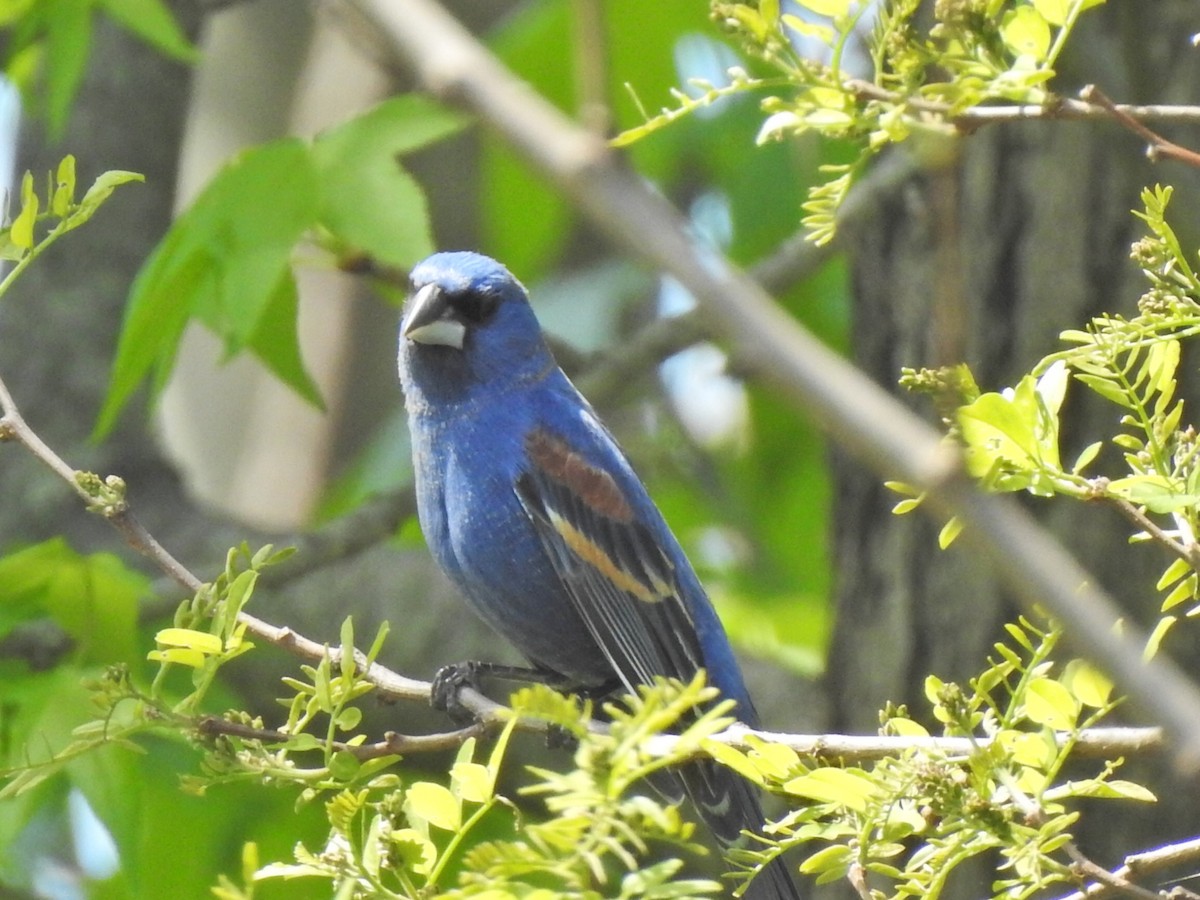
{"x":430,"y":320}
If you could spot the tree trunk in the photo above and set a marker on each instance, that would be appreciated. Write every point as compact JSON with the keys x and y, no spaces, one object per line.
{"x":985,"y":261}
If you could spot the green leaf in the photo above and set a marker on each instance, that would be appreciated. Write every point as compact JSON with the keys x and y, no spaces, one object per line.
{"x":225,"y":261}
{"x":276,"y":341}
{"x":433,"y":803}
{"x":1089,"y":685}
{"x":100,"y":191}
{"x":1026,"y":33}
{"x":1048,"y":702}
{"x":93,"y":598}
{"x":349,"y":718}
{"x":832,"y":785}
{"x":21,"y":232}
{"x":152,"y":21}
{"x":68,"y":42}
{"x":344,"y":765}
{"x":367,"y":200}
{"x":1154,"y":641}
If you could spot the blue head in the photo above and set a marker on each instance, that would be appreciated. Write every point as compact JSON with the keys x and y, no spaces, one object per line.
{"x":467,"y":328}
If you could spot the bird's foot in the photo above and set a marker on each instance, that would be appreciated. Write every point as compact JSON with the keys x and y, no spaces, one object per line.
{"x":448,"y":683}
{"x":450,"y":679}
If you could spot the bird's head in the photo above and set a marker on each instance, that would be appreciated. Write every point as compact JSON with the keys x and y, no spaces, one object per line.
{"x":467,"y":323}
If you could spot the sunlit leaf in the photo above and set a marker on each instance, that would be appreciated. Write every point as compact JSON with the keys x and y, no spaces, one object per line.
{"x":433,"y":803}
{"x":1048,"y":703}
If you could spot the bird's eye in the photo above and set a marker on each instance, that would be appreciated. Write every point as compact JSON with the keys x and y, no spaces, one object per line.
{"x":475,"y":306}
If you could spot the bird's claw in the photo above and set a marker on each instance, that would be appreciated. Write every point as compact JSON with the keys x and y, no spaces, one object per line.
{"x":448,"y":683}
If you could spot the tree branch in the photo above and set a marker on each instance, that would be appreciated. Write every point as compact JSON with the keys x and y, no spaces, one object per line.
{"x":1139,"y":866}
{"x":116,"y":511}
{"x":857,"y":413}
{"x":1157,"y":145}
{"x":1092,"y":106}
{"x":1097,"y":742}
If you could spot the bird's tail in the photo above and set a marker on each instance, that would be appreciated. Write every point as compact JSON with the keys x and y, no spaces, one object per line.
{"x":729,"y":805}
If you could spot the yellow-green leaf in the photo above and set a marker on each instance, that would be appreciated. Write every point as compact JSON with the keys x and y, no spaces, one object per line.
{"x":64,"y":187}
{"x":1174,"y":572}
{"x":733,"y":758}
{"x":1156,"y":636}
{"x":1026,"y":32}
{"x":831,"y":8}
{"x":417,"y":853}
{"x":1089,"y":685}
{"x":200,"y":641}
{"x":180,"y":655}
{"x":1049,"y":703}
{"x":835,"y":859}
{"x":471,"y":781}
{"x":833,"y":785}
{"x":949,"y":532}
{"x":903,"y":727}
{"x":1085,"y":458}
{"x":21,"y":233}
{"x":434,"y":804}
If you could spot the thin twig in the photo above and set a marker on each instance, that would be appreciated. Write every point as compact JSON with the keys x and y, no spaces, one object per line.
{"x":1085,"y":868}
{"x":1139,"y":866}
{"x":1189,"y":553}
{"x":1089,"y":107}
{"x":14,"y":427}
{"x":1157,"y":145}
{"x":393,"y":744}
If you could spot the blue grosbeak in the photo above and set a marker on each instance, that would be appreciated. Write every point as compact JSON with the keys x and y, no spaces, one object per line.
{"x":529,"y":505}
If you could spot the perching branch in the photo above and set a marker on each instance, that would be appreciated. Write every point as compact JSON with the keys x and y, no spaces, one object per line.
{"x":1095,"y":742}
{"x":857,"y":413}
{"x":115,"y":510}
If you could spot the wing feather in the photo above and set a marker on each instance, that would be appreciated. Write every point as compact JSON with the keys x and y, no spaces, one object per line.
{"x":625,"y":588}
{"x":617,"y":576}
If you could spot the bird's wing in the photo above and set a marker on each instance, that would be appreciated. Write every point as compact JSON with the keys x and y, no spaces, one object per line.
{"x":618,"y":577}
{"x":626,"y":589}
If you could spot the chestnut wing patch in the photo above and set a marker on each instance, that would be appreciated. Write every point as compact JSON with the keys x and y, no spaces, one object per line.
{"x":616,"y":575}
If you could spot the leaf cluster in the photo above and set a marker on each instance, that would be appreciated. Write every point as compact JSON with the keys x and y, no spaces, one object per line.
{"x":1151,"y":460}
{"x":227,"y":261}
{"x":48,"y":45}
{"x":920,"y":80}
{"x":392,"y":837}
{"x":910,"y":821}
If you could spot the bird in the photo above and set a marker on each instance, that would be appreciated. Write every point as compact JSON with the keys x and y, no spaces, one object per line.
{"x":529,"y":505}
